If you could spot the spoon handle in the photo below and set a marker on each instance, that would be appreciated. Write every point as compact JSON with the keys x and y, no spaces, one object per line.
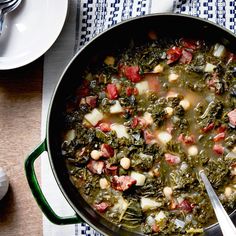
{"x":226,"y":225}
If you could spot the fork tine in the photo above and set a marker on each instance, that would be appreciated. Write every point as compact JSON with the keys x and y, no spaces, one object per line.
{"x":8,"y":4}
{"x":4,"y":2}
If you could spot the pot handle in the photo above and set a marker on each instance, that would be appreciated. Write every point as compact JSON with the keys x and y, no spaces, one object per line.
{"x":38,"y":194}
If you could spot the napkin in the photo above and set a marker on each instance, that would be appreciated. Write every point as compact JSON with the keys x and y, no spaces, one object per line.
{"x":85,"y":20}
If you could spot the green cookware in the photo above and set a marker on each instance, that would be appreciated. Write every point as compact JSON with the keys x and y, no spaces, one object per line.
{"x":119,"y":36}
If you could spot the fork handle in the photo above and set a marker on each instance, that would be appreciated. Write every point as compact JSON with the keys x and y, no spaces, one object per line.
{"x":226,"y":225}
{"x":1,"y":21}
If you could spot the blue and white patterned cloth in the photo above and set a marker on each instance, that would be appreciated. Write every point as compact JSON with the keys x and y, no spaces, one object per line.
{"x":98,"y":15}
{"x":88,"y":18}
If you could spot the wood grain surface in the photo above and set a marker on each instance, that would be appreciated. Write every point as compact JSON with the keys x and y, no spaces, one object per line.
{"x":20,"y":116}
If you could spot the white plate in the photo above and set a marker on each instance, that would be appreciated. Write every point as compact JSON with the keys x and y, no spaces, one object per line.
{"x":30,"y":30}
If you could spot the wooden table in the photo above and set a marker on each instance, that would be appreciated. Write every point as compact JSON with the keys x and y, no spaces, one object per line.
{"x":20,"y":120}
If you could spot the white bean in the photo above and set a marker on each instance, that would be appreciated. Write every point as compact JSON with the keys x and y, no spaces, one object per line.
{"x":164,"y":137}
{"x":233,"y":171}
{"x":104,"y":184}
{"x":185,"y":104}
{"x":125,"y":163}
{"x":148,"y":118}
{"x":158,"y":69}
{"x":234,"y":149}
{"x":193,"y":150}
{"x":228,"y":191}
{"x":95,"y":154}
{"x":167,"y":192}
{"x":173,"y":77}
{"x":70,"y":135}
{"x":169,"y":111}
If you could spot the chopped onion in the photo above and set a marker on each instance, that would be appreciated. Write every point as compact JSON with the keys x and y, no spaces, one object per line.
{"x":149,"y":204}
{"x":116,"y":108}
{"x":120,"y":130}
{"x":140,"y":178}
{"x":209,"y":67}
{"x":94,"y":116}
{"x":219,"y":50}
{"x":142,"y":87}
{"x":179,"y":223}
{"x":150,"y":220}
{"x":230,"y":155}
{"x":160,"y":216}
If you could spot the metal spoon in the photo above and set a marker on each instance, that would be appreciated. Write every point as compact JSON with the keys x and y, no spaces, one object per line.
{"x":226,"y":225}
{"x":7,"y":3}
{"x":11,"y":6}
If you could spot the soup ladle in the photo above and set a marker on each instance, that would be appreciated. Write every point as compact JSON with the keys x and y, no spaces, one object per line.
{"x":226,"y":225}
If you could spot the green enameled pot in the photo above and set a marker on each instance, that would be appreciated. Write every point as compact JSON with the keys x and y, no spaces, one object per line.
{"x":117,"y":37}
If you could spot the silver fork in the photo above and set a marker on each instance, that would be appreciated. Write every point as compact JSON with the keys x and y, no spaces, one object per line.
{"x":5,"y":1}
{"x":6,"y":8}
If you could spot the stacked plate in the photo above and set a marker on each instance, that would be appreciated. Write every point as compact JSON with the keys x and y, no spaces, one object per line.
{"x":30,"y":30}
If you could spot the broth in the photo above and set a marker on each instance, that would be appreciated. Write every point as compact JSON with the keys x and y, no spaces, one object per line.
{"x":142,"y":124}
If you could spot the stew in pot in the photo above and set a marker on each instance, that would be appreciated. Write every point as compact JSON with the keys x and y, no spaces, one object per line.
{"x":142,"y":124}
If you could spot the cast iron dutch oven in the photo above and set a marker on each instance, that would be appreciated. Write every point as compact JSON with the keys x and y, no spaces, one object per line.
{"x":117,"y":37}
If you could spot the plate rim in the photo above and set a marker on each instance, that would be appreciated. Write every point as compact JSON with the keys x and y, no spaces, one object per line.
{"x":43,"y":50}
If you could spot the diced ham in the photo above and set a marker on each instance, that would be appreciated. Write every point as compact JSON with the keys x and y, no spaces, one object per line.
{"x":123,"y":182}
{"x":209,"y":127}
{"x":232,"y":117}
{"x":221,"y":129}
{"x":173,"y":54}
{"x":173,"y":204}
{"x":101,"y":207}
{"x":96,"y":167}
{"x":129,"y":91}
{"x":132,"y":73}
{"x":155,"y":228}
{"x":111,"y":170}
{"x":149,"y":137}
{"x":83,"y":91}
{"x":138,"y":121}
{"x":153,"y":83}
{"x":218,"y":149}
{"x":91,"y":101}
{"x":231,"y":58}
{"x":186,"y":57}
{"x":186,"y":206}
{"x":190,"y":43}
{"x":172,"y":159}
{"x":107,"y":150}
{"x":142,"y":122}
{"x":135,"y":91}
{"x":134,"y":123}
{"x":213,"y":83}
{"x":219,"y":137}
{"x":104,"y":127}
{"x":188,"y":139}
{"x":112,"y":91}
